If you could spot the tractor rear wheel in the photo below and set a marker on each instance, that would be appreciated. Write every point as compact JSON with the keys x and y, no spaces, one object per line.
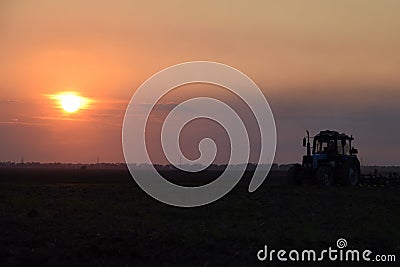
{"x":293,"y":175}
{"x":350,"y":174}
{"x":324,"y":176}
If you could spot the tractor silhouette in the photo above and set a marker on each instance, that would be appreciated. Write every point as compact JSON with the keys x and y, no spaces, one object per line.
{"x":331,"y":159}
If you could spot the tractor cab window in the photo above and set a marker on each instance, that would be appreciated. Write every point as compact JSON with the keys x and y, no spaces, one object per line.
{"x":344,"y":150}
{"x":321,"y":146}
{"x":325,"y":146}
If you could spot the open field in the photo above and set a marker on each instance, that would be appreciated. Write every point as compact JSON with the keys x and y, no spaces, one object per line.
{"x":102,"y":218}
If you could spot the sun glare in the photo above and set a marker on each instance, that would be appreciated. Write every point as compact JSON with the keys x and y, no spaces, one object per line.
{"x":71,"y":102}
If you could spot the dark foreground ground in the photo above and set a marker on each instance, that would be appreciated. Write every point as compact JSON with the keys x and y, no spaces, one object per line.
{"x":102,"y":218}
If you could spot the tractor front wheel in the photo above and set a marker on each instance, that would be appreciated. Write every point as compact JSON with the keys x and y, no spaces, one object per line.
{"x":324,"y":176}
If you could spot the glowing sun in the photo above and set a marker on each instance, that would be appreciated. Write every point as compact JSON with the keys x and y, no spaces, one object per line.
{"x":71,"y":102}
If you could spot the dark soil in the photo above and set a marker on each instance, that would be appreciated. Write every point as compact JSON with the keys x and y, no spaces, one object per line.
{"x":102,"y":218}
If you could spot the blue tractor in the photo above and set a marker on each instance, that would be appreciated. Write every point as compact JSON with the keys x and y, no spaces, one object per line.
{"x":330,"y":160}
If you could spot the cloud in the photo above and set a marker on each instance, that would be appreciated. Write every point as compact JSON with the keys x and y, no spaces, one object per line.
{"x":13,"y":122}
{"x":8,"y":101}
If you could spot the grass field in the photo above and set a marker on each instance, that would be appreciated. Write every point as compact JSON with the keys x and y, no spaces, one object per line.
{"x":102,"y":218}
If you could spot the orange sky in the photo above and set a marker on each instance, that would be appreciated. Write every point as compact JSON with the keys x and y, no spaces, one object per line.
{"x":347,"y":51}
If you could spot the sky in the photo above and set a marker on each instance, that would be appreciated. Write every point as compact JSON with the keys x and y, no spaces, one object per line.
{"x":320,"y":64}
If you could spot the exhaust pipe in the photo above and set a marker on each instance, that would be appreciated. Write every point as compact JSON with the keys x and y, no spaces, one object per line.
{"x":308,"y":144}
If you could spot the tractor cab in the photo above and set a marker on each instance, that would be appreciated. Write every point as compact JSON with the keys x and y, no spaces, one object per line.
{"x":332,"y":142}
{"x":329,"y":147}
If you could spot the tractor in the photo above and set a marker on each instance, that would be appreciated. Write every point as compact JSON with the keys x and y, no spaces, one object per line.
{"x":330,"y":160}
